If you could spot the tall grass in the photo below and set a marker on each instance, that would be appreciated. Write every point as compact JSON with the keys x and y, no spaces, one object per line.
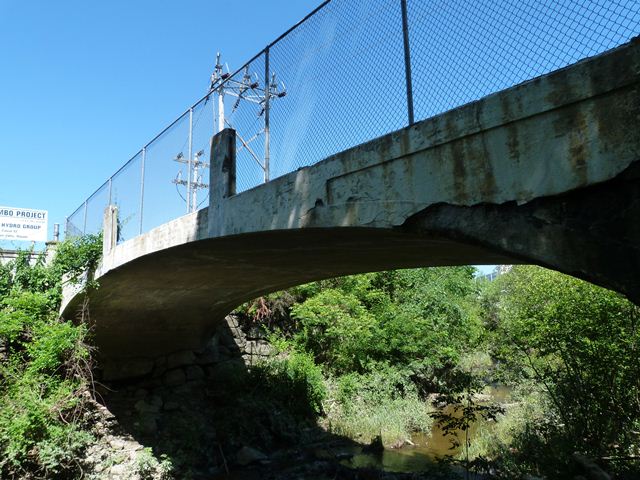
{"x":385,"y":403}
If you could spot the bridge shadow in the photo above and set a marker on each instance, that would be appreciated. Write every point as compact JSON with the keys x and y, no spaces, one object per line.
{"x":220,"y":413}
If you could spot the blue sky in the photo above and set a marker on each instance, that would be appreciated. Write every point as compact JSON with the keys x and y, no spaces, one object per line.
{"x":85,"y":84}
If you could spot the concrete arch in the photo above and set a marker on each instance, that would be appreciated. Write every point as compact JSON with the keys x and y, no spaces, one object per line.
{"x":546,"y":172}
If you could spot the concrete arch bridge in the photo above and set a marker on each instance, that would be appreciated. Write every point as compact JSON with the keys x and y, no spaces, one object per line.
{"x":547,"y":172}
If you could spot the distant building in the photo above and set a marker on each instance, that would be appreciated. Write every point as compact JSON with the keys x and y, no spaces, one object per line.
{"x":499,"y":270}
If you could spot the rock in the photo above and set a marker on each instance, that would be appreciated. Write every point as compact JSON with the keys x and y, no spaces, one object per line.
{"x":250,"y":347}
{"x":184,"y":392}
{"x":248,"y":455}
{"x":155,"y":400}
{"x":398,"y":444}
{"x":233,"y":339}
{"x":255,"y":332}
{"x":180,"y":359}
{"x":148,"y":425}
{"x":240,"y":342}
{"x":140,"y":393}
{"x":231,"y":321}
{"x":174,"y":377}
{"x":142,"y":406}
{"x":265,"y":349}
{"x":258,"y":348}
{"x":227,"y":371}
{"x":152,"y":383}
{"x":131,"y":368}
{"x":117,"y":443}
{"x":118,"y":470}
{"x":209,"y":356}
{"x":194,"y":372}
{"x":343,"y":456}
{"x":152,"y":405}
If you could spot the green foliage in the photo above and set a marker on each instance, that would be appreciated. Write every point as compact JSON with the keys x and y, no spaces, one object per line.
{"x":386,"y":340}
{"x":383,"y":339}
{"x":272,"y":402}
{"x":384,"y":402}
{"x":294,"y":380}
{"x":53,"y":343}
{"x":38,"y":428}
{"x":43,"y":362}
{"x":579,"y":342}
{"x":76,"y":256}
{"x":423,"y":319}
{"x":338,"y":330}
{"x":149,"y":467}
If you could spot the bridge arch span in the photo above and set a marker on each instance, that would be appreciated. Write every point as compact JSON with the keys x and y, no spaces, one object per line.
{"x":547,"y":172}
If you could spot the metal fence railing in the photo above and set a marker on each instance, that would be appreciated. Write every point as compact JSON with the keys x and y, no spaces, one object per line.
{"x":350,"y":71}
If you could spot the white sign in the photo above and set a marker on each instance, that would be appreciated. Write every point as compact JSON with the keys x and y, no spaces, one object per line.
{"x":23,"y":224}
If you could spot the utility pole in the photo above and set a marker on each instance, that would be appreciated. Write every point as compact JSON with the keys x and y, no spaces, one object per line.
{"x":194,"y":181}
{"x":247,"y":90}
{"x":217,"y":84}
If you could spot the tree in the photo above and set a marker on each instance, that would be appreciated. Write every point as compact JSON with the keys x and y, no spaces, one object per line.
{"x":580,"y":342}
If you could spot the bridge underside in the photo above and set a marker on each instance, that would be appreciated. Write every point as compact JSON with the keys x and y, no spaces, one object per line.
{"x":172,"y":300}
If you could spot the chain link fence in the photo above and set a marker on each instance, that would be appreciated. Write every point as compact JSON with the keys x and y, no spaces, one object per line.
{"x":352,"y":70}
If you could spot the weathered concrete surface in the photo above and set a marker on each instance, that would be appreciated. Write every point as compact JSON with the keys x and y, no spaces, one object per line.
{"x":441,"y":192}
{"x":567,"y":130}
{"x":591,"y":233}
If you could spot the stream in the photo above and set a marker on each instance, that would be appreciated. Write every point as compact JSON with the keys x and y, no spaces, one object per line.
{"x":427,"y":448}
{"x":320,"y":463}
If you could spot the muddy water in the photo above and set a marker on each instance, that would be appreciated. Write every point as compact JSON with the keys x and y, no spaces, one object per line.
{"x":427,"y":448}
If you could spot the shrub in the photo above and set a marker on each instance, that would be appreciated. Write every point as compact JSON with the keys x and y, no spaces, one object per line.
{"x":43,"y":367}
{"x":384,"y":402}
{"x":337,"y":329}
{"x":579,"y":342}
{"x":293,"y":376}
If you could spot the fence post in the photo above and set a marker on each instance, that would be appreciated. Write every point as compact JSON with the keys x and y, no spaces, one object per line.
{"x":407,"y":60}
{"x":110,"y":188}
{"x":267,"y":98}
{"x":84,"y":223}
{"x":189,"y":206}
{"x":144,"y":155}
